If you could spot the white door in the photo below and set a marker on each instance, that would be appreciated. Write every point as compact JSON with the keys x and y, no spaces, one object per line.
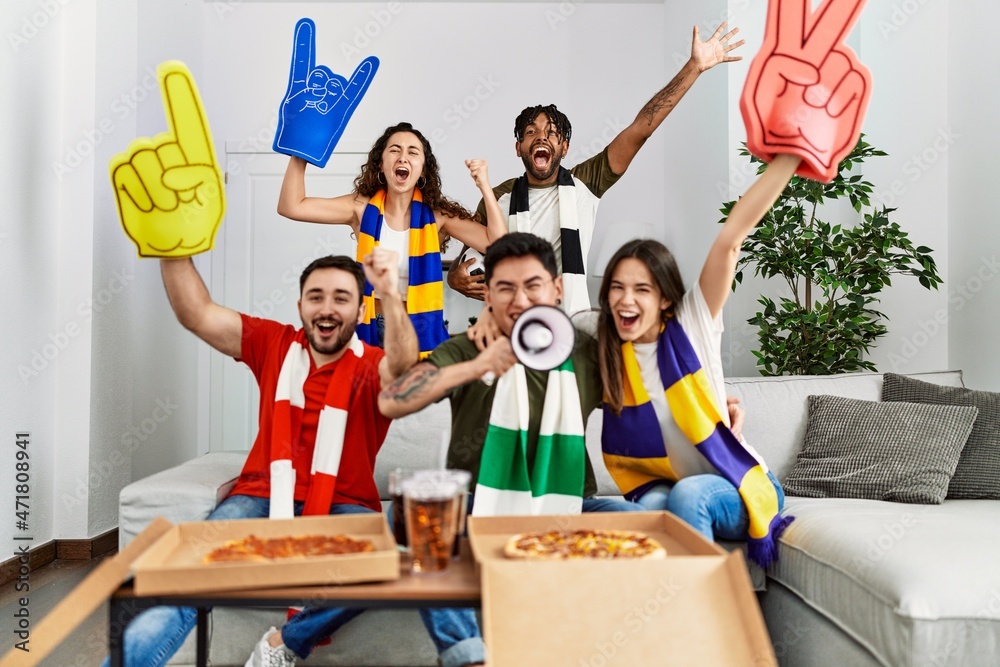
{"x":255,"y":269}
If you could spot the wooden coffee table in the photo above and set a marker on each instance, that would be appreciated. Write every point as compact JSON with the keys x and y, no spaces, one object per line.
{"x":458,"y":586}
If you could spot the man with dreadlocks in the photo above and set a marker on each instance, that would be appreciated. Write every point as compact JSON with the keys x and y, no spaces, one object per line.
{"x":560,"y":205}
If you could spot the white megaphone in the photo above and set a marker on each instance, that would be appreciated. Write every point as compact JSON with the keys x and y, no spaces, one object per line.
{"x":543,"y":338}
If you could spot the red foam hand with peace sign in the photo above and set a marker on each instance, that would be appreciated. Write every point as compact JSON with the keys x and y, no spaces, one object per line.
{"x":807,"y":92}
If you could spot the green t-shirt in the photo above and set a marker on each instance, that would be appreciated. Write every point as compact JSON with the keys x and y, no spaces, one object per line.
{"x":595,"y":172}
{"x":471,"y":403}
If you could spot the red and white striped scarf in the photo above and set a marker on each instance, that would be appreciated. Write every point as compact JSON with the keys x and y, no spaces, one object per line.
{"x":289,"y":402}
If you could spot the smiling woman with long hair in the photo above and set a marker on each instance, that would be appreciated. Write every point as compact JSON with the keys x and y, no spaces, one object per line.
{"x":666,"y":436}
{"x":397,"y":203}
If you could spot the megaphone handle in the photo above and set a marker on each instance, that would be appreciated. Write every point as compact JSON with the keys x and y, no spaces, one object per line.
{"x":488,"y":378}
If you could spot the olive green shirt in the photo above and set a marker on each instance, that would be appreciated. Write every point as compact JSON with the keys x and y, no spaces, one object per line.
{"x":471,"y":403}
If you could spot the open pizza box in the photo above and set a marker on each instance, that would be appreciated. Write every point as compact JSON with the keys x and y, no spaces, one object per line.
{"x":175,"y":562}
{"x":696,"y":607}
{"x":166,"y":558}
{"x":83,"y":600}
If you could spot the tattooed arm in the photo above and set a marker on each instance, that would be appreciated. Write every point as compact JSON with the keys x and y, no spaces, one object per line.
{"x":425,"y":383}
{"x":704,"y":55}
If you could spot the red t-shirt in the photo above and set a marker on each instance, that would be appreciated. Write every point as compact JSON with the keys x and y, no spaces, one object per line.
{"x":264,"y":346}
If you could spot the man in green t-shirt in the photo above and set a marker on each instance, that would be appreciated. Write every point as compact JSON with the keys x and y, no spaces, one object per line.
{"x":520,"y":273}
{"x":533,"y":203}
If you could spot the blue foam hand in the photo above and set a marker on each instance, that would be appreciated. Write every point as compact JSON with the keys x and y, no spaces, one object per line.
{"x":318,"y":103}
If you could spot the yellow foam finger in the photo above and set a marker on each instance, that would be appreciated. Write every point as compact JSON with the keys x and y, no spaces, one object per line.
{"x":169,"y":189}
{"x":185,"y":113}
{"x":129,"y":189}
{"x":147,"y":166}
{"x":170,"y":155}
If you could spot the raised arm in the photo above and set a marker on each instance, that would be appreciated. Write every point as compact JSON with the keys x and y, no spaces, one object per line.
{"x":704,"y":56}
{"x":295,"y":205}
{"x":220,"y":327}
{"x":806,"y":94}
{"x":470,"y":232}
{"x":402,"y":350}
{"x":425,"y":383}
{"x":717,"y":273}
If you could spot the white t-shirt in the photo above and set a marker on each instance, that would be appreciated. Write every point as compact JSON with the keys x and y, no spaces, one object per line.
{"x":705,"y":334}
{"x":543,"y":206}
{"x":398,"y":242}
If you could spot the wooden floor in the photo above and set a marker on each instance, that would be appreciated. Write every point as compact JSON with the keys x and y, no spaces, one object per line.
{"x":88,"y":645}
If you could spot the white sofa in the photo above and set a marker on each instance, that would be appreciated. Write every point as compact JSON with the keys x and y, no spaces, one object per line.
{"x":857,"y":583}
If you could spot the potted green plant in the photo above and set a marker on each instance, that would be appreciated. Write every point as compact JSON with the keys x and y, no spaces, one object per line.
{"x":834,"y":272}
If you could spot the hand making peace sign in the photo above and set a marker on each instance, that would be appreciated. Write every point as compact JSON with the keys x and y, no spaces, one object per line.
{"x":807,"y":92}
{"x":318,"y":103}
{"x":169,"y":188}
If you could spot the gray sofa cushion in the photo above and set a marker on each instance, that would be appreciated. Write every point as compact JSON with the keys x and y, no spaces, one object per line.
{"x":978,"y":471}
{"x":903,"y":452}
{"x":916,"y":585}
{"x":776,"y":407}
{"x":187,"y":492}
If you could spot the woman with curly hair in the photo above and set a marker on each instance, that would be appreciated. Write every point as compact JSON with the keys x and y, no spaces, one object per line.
{"x":397,"y":204}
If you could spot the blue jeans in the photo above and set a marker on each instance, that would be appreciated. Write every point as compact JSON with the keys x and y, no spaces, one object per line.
{"x":156,"y":634}
{"x":709,"y":503}
{"x":611,"y":504}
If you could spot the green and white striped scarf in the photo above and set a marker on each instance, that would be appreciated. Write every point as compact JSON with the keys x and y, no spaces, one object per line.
{"x":554,"y":484}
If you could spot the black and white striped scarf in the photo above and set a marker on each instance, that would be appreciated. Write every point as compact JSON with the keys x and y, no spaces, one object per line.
{"x":575,"y":295}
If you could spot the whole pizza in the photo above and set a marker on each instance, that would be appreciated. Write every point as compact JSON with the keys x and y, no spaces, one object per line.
{"x":253,"y":548}
{"x":584,"y":543}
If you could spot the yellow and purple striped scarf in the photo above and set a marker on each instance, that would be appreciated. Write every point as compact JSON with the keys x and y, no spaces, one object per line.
{"x":636,"y":456}
{"x":425,"y":294}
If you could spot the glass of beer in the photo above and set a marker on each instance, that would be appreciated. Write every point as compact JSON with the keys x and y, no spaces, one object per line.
{"x":430,"y":506}
{"x":398,"y":522}
{"x":462,"y":478}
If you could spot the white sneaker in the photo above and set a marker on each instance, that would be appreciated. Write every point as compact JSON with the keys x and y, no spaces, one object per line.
{"x":265,"y":655}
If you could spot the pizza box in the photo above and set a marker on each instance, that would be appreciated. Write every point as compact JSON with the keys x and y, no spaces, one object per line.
{"x":489,"y":534}
{"x":695,"y":607}
{"x":175,"y":562}
{"x":82,"y":601}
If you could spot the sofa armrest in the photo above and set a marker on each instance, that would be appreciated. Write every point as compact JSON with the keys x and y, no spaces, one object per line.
{"x":187,"y":492}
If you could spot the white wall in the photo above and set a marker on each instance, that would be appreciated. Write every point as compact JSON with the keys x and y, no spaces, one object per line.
{"x":165,"y":404}
{"x":28,"y":238}
{"x":973,"y":227}
{"x":907,"y":114}
{"x":118,"y":398}
{"x":462,"y":86}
